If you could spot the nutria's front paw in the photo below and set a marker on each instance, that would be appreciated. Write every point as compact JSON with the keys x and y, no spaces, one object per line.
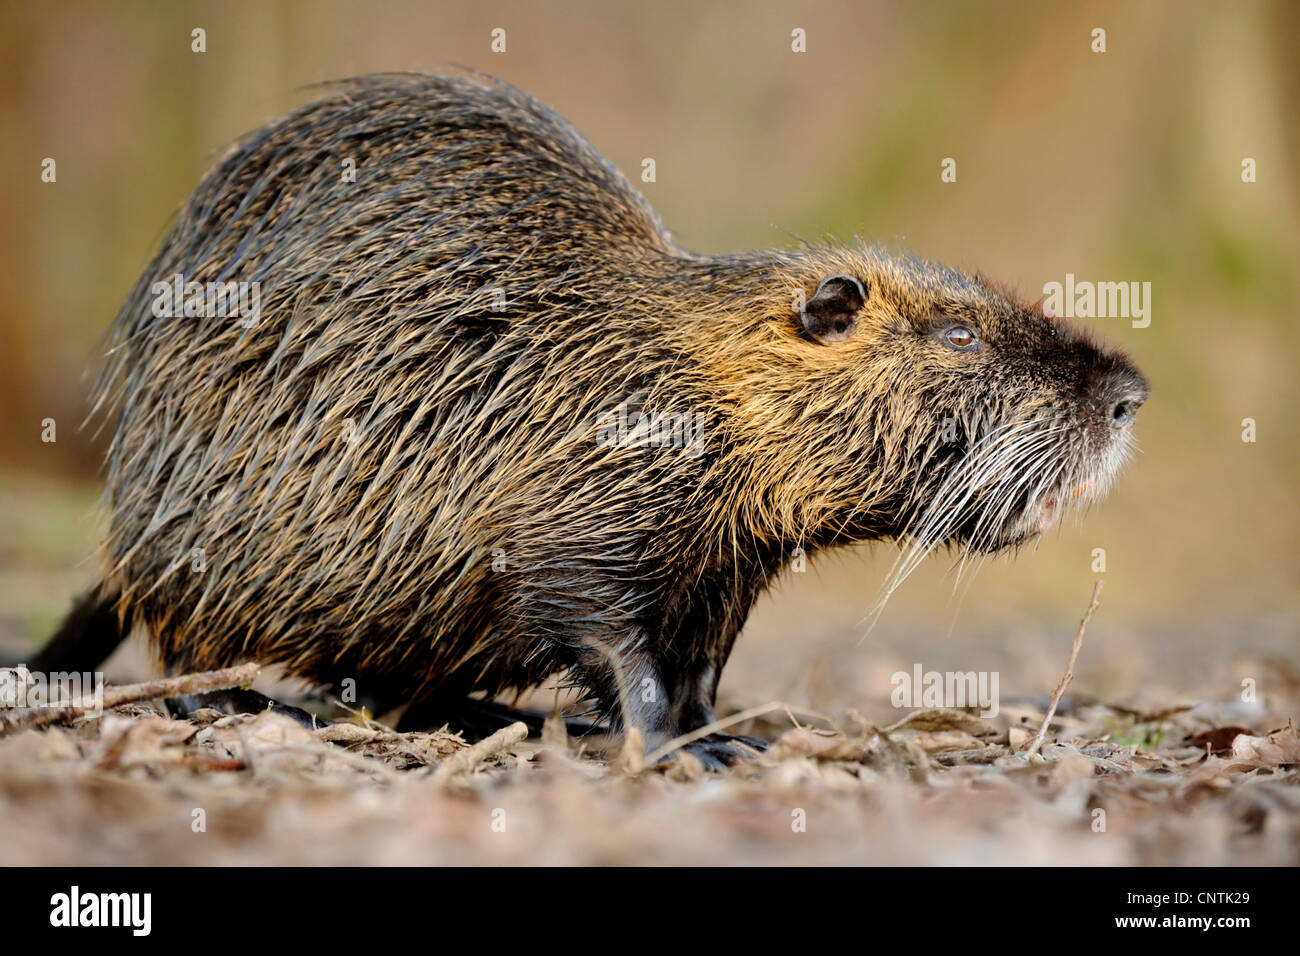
{"x":720,"y":751}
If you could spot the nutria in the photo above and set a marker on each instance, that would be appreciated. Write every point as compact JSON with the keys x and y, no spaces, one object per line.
{"x":480,"y":420}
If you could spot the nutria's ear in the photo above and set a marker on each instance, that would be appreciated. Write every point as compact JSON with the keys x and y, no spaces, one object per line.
{"x":831,"y":315}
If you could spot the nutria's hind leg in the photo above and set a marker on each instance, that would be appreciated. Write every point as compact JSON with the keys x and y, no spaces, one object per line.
{"x":240,"y":701}
{"x":476,"y":719}
{"x":88,"y":635}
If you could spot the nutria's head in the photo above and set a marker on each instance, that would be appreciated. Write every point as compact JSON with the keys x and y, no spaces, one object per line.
{"x":907,"y":399}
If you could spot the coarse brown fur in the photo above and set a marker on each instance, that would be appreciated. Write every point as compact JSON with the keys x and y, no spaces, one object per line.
{"x":420,"y":468}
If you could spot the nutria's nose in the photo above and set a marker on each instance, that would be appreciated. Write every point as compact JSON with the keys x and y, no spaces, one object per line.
{"x":1125,"y":412}
{"x":1125,"y":396}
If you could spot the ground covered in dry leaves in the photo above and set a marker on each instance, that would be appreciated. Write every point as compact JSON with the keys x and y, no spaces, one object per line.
{"x":1202,"y":784}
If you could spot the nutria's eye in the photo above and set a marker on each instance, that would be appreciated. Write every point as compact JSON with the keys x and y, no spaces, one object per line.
{"x":961,"y":338}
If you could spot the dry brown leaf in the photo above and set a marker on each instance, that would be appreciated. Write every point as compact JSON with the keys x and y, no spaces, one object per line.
{"x":1018,"y":737}
{"x":1218,"y":739}
{"x":555,"y":735}
{"x":685,"y":767}
{"x":346,"y":734}
{"x":938,"y":741}
{"x":130,"y":742}
{"x":944,"y":718}
{"x":631,"y":758}
{"x":1279,"y":748}
{"x":808,"y":742}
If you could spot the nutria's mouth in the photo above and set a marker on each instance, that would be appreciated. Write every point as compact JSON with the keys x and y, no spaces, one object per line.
{"x":1009,"y":488}
{"x":1048,"y":510}
{"x":1031,"y":522}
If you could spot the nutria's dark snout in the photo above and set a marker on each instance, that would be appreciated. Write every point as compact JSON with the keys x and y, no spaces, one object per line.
{"x":1121,"y":393}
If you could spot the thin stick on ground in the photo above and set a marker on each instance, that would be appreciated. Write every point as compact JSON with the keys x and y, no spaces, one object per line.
{"x":1069,"y":671}
{"x":198,"y":683}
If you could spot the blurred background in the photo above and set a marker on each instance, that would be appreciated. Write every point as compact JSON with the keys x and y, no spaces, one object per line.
{"x":1116,"y":166}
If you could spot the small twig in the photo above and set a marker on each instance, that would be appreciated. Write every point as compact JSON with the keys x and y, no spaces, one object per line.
{"x":1069,"y":671}
{"x":128,"y":694}
{"x":203,"y":762}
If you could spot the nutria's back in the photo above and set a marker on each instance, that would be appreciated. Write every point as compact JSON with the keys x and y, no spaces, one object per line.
{"x":483,"y":420}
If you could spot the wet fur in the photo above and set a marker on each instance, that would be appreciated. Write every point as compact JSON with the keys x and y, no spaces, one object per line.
{"x":632,"y":569}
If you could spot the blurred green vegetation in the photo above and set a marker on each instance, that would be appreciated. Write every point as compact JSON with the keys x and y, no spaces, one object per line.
{"x":1123,"y":165}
